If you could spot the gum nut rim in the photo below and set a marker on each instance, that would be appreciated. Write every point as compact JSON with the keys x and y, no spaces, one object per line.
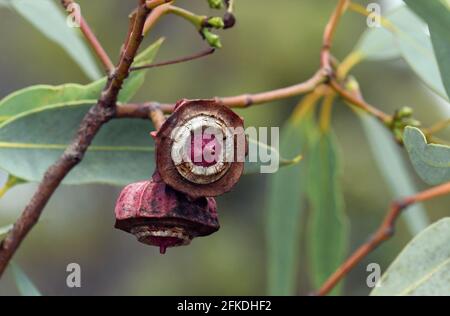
{"x":201,"y":182}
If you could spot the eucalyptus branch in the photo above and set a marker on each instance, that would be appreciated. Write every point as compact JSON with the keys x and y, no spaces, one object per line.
{"x":203,"y":53}
{"x":357,"y":100}
{"x":329,"y":32}
{"x":384,"y":232}
{"x":92,"y":39}
{"x":99,"y":114}
{"x":246,"y":100}
{"x":437,"y":127}
{"x":143,"y":110}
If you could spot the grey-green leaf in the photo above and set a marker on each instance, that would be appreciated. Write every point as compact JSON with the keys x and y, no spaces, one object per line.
{"x":377,"y":43}
{"x":389,"y":160}
{"x":431,"y":161}
{"x":285,"y":205}
{"x":328,"y":225}
{"x":121,"y":153}
{"x":416,"y":47}
{"x":437,"y":15}
{"x":35,"y":97}
{"x":48,"y":18}
{"x":25,"y":286}
{"x":423,"y":267}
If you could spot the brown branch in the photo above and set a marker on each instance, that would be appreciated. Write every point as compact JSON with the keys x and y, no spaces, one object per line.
{"x":143,"y":110}
{"x":203,"y":53}
{"x":329,"y":32}
{"x":246,"y":100}
{"x":384,"y":232}
{"x":358,"y":101}
{"x":99,"y":114}
{"x":92,"y":39}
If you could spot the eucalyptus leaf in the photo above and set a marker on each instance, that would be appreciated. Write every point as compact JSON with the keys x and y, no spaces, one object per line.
{"x":328,"y":225}
{"x":286,"y":197}
{"x":423,"y":266}
{"x":121,"y":153}
{"x":437,"y":15}
{"x":25,"y":286}
{"x":389,"y":160}
{"x":416,"y":47}
{"x":377,"y":43}
{"x":431,"y":161}
{"x":38,"y":96}
{"x":48,"y":18}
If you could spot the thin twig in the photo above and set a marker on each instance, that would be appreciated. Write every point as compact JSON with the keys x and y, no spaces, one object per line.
{"x":155,"y":15}
{"x":360,"y":103}
{"x":329,"y":32}
{"x":203,"y":53}
{"x":246,"y":100}
{"x":92,"y":39}
{"x":384,"y":232}
{"x":439,"y":126}
{"x":152,"y":4}
{"x":99,"y":114}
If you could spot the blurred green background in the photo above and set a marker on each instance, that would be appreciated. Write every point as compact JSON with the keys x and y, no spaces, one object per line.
{"x":274,"y":44}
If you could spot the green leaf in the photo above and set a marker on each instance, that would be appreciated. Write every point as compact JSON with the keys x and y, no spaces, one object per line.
{"x":24,"y":284}
{"x":431,"y":161}
{"x":121,"y":153}
{"x":389,"y":160}
{"x":48,"y":17}
{"x":417,"y":48}
{"x":5,"y":229}
{"x":35,"y":97}
{"x":328,"y":226}
{"x":423,"y":267}
{"x":285,"y":205}
{"x":437,"y":15}
{"x":377,"y":43}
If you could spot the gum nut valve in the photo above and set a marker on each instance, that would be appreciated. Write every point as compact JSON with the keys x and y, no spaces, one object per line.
{"x":163,"y":217}
{"x":201,"y":148}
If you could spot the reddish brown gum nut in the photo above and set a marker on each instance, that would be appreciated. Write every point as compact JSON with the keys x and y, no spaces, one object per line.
{"x":160,"y":216}
{"x":207,"y":166}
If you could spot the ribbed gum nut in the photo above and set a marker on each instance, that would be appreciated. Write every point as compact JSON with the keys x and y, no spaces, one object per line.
{"x":160,"y":216}
{"x":201,"y":148}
